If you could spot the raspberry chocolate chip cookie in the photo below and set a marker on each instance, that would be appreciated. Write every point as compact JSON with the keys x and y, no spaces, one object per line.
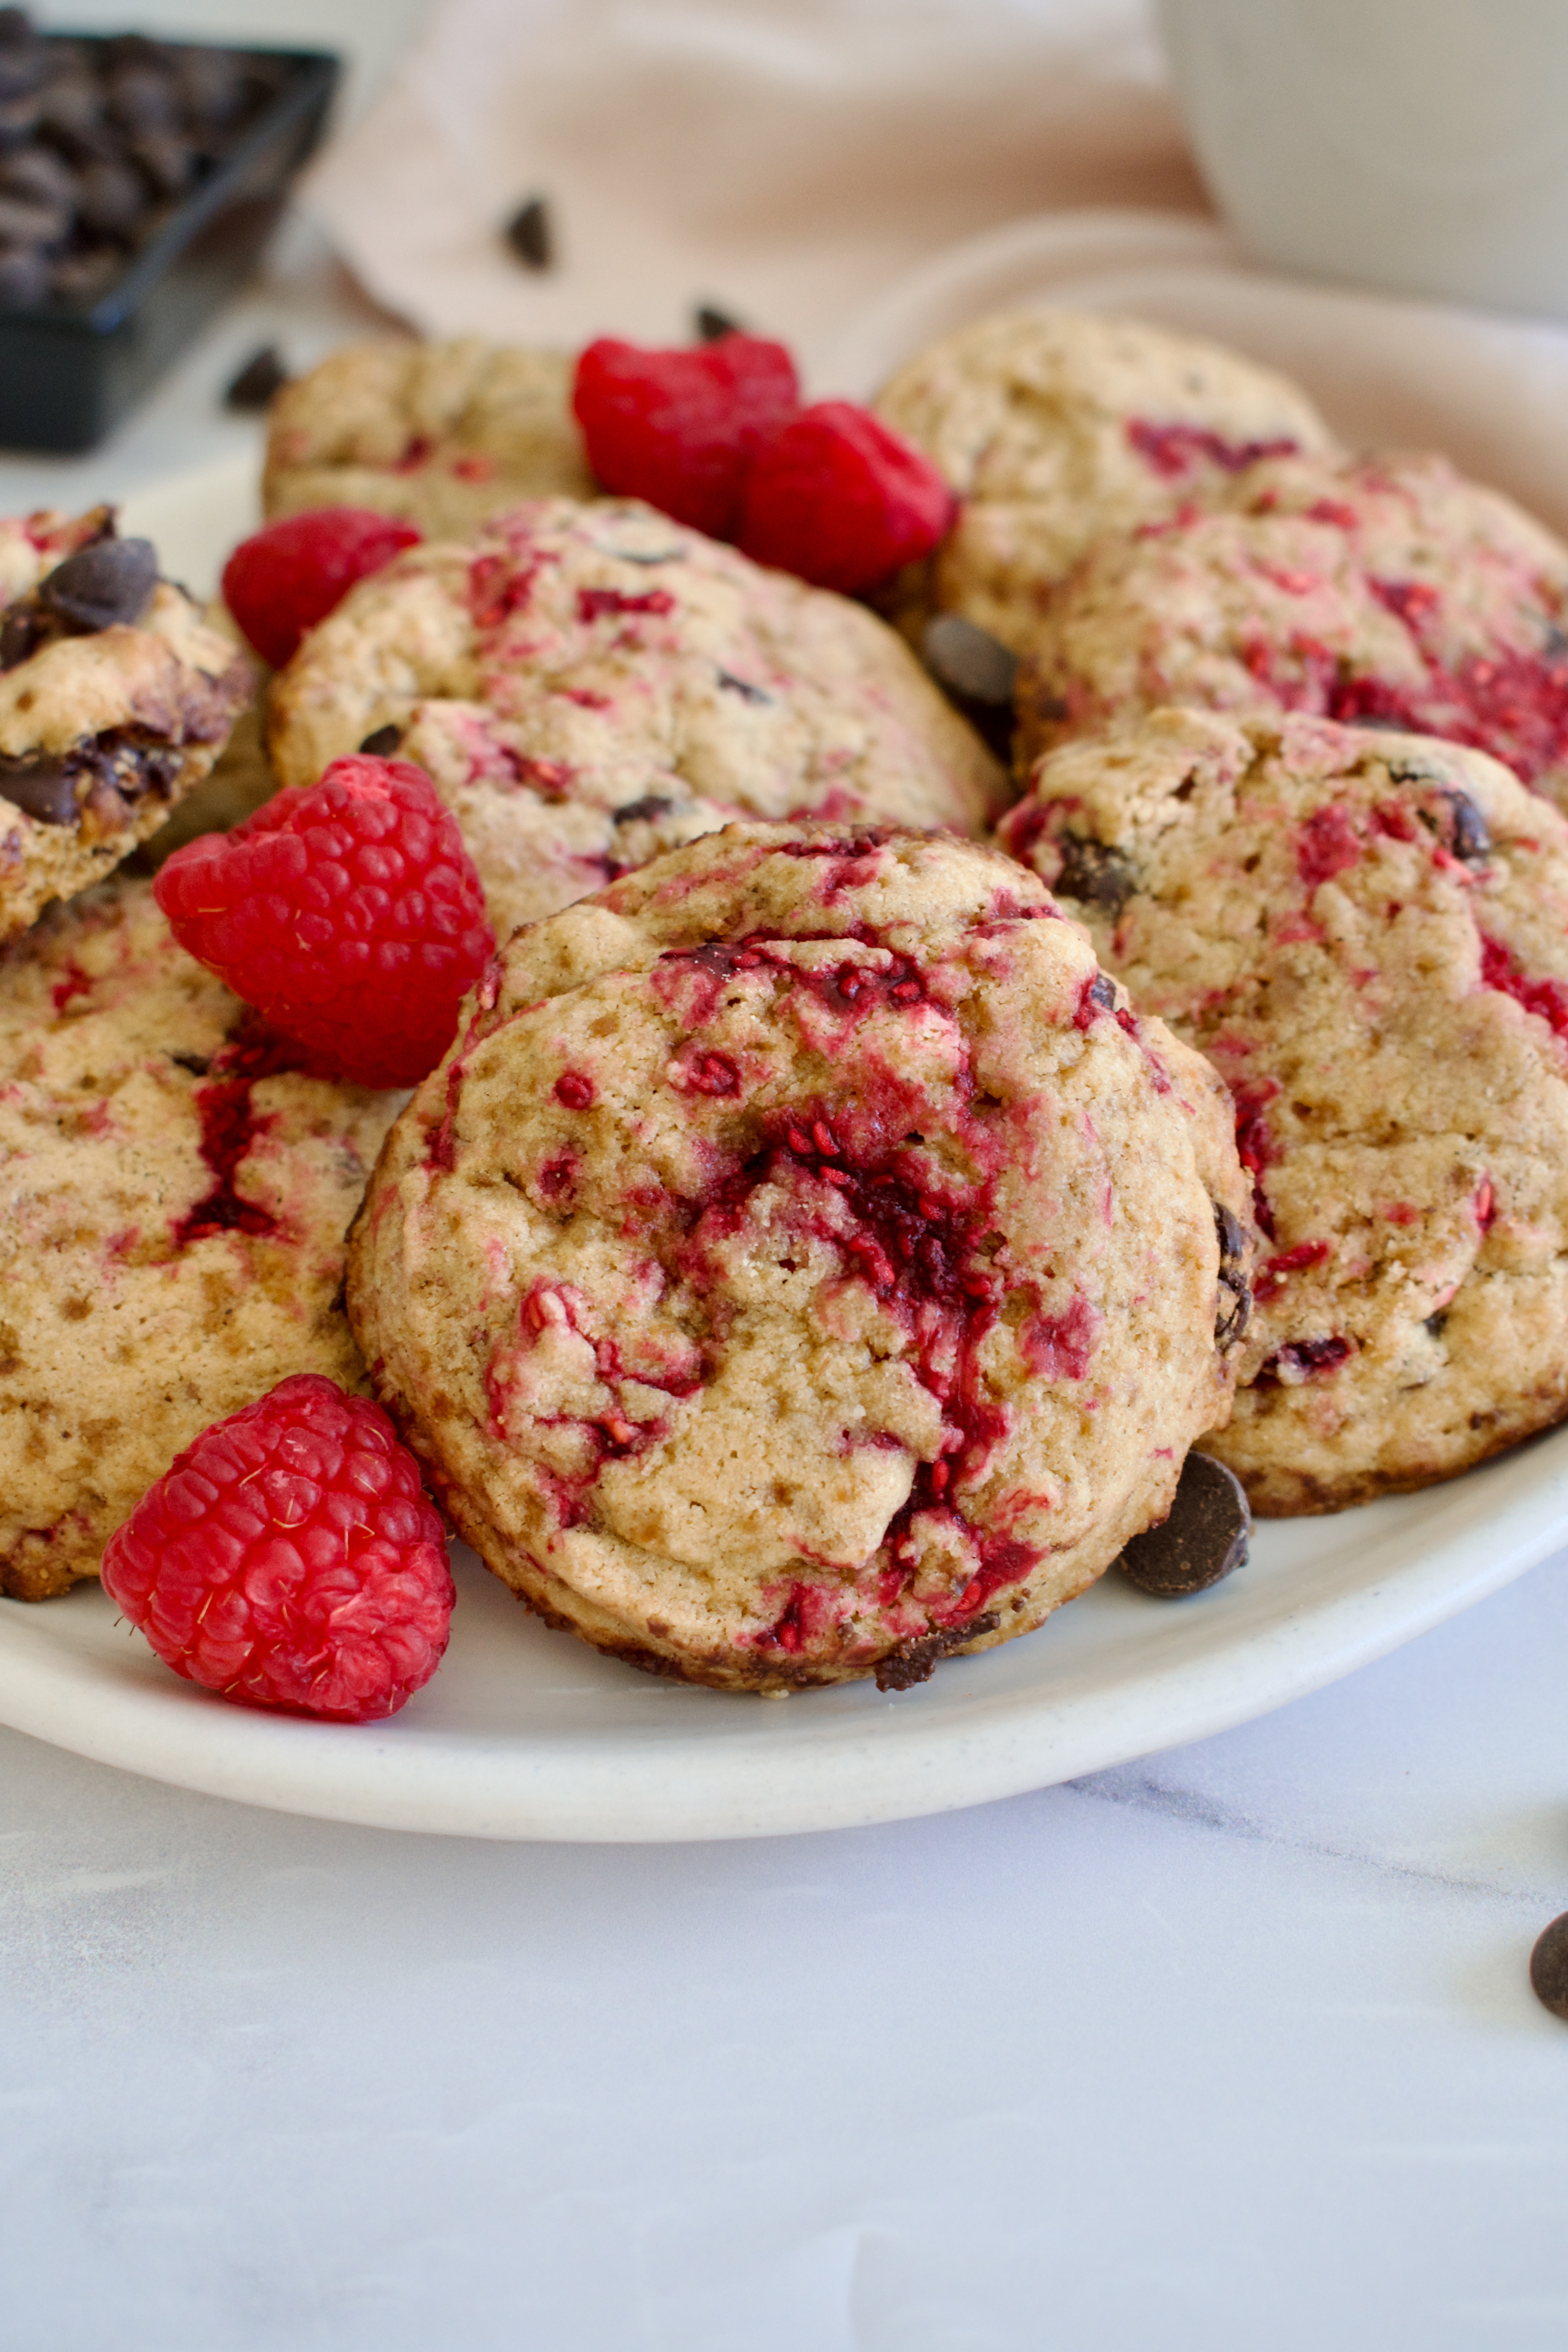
{"x":1364,"y":931}
{"x":1055,"y":427}
{"x":173,"y":1204}
{"x":1386,"y":592}
{"x":805,"y":1264}
{"x":115,"y":699}
{"x":588,"y":684}
{"x":444,"y":434}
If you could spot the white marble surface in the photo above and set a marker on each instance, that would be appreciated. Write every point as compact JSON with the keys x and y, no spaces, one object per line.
{"x":1233,"y":2048}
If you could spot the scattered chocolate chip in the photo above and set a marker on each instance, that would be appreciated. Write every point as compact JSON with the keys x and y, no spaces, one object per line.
{"x":969,"y":661}
{"x":22,"y":629}
{"x":646,"y":811}
{"x":913,"y":1662}
{"x":1206,"y":1536}
{"x":111,"y":200}
{"x":253,"y":388}
{"x":712,"y":324}
{"x":1102,"y":992}
{"x":1434,"y":1323}
{"x":1234,"y":1307}
{"x":1549,"y":1968}
{"x":24,"y":277}
{"x":198,"y":1065}
{"x":382,"y":741}
{"x":730,"y":684}
{"x":530,"y":235}
{"x":99,"y":586}
{"x":41,"y":787}
{"x":1469,"y":839}
{"x":1094,"y":872}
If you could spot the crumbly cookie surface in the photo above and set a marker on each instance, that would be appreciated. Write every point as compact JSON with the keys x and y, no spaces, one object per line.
{"x":1365,"y":932}
{"x":103,"y":734}
{"x":1387,"y":592}
{"x":803,"y":1263}
{"x":1053,"y":428}
{"x":587,"y":685}
{"x":172,"y":1208}
{"x":444,"y":435}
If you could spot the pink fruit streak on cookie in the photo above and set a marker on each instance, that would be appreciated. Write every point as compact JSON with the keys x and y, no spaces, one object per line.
{"x":1172,"y":450}
{"x":1546,"y":998}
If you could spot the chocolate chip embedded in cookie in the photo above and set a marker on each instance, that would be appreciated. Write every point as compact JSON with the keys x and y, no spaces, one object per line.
{"x":576,"y":664}
{"x":1363,"y":933}
{"x":115,"y":699}
{"x":444,"y":435}
{"x":1386,"y":592}
{"x":806,"y":1263}
{"x":172,"y":1202}
{"x":1055,"y":426}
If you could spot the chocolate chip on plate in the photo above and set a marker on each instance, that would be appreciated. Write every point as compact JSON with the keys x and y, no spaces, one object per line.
{"x":1206,"y":1536}
{"x":263,"y":374}
{"x":969,"y":661}
{"x":1549,"y":1968}
{"x":712,"y":324}
{"x":101,"y":585}
{"x":530,"y":235}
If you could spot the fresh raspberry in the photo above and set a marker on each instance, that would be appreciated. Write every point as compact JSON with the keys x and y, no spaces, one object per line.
{"x":292,"y":574}
{"x":348,"y":913}
{"x":839,"y":500}
{"x":289,"y":1559}
{"x":679,"y":428}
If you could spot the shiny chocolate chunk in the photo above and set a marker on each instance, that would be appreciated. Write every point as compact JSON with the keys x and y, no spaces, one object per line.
{"x":713,"y":324}
{"x":1094,"y":872}
{"x":969,"y":661}
{"x":1233,"y":1310}
{"x":1467,"y":837}
{"x":915,"y":1661}
{"x":99,"y":586}
{"x":42,"y":786}
{"x":382,"y":742}
{"x":1207,"y":1535}
{"x":530,"y":235}
{"x":252,"y":389}
{"x":1549,"y":1968}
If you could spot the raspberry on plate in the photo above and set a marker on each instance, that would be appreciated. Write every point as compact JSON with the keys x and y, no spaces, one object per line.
{"x":839,"y":498}
{"x":349,"y":914}
{"x":281,"y":583}
{"x":290,"y":1560}
{"x":679,"y":427}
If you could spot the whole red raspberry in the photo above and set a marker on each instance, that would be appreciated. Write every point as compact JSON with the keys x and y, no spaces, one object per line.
{"x":840,"y":500}
{"x":289,"y":1559}
{"x":348,"y":913}
{"x":287,"y":577}
{"x":679,"y":428}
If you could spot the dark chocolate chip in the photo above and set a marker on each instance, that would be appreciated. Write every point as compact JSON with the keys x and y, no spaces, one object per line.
{"x":651,"y":807}
{"x":713,"y":325}
{"x":1469,"y":840}
{"x":1206,"y":1536}
{"x":1102,"y":992}
{"x":1094,"y":872}
{"x":530,"y":235}
{"x":40,"y":176}
{"x":969,"y":661}
{"x":382,"y":741}
{"x":113,"y":199}
{"x":142,"y":98}
{"x":167,"y":161}
{"x":914,"y":1661}
{"x":730,"y":684}
{"x":22,"y":629}
{"x":99,"y":586}
{"x":262,"y":375}
{"x":70,"y":118}
{"x":1549,"y":1968}
{"x":1233,"y":1310}
{"x":41,"y":787}
{"x":24,"y":277}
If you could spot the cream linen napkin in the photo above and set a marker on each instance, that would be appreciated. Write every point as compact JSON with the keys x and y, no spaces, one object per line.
{"x":784,"y":159}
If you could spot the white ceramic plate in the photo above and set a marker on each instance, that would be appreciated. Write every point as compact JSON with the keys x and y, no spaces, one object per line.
{"x":524,"y":1733}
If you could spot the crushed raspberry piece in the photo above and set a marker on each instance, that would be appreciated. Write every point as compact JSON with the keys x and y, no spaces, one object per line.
{"x":840,"y":500}
{"x":281,"y":583}
{"x":1547,"y":998}
{"x":679,"y":428}
{"x":349,"y":914}
{"x":290,"y":1560}
{"x":1172,"y":450}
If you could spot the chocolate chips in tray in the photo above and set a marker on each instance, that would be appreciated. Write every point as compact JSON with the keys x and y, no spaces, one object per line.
{"x":100,"y":142}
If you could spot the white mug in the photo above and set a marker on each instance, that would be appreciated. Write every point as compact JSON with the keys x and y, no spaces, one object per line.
{"x":1417,"y":145}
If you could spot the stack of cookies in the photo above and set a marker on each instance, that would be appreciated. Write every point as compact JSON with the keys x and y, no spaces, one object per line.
{"x":862,"y":1176}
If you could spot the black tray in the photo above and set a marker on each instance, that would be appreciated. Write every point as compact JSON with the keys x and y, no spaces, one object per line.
{"x":69,"y":375}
